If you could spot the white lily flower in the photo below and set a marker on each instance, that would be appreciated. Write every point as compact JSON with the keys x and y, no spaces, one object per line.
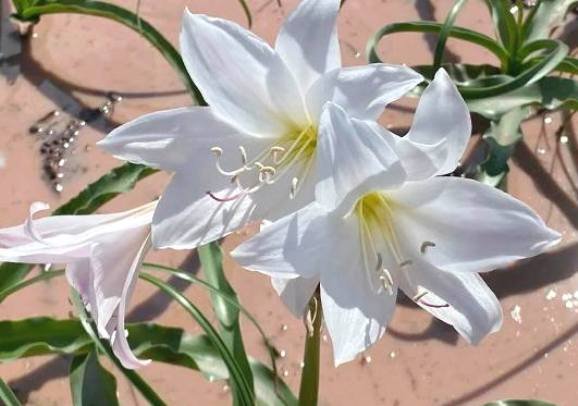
{"x":102,"y":253}
{"x":381,"y":223}
{"x":251,"y":154}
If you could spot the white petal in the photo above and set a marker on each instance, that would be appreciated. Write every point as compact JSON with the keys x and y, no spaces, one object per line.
{"x":61,"y":239}
{"x":462,"y":300}
{"x":441,"y":114}
{"x":352,"y":160}
{"x":171,"y":139}
{"x":474,"y":227}
{"x":356,"y":316}
{"x":295,"y":293}
{"x":242,"y":78}
{"x":308,"y":40}
{"x":363,"y":91}
{"x":119,"y":341}
{"x":187,"y":216}
{"x":295,"y":245}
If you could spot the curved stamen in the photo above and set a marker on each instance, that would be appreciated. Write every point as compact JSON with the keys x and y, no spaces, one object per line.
{"x":425,"y":245}
{"x":218,"y":151}
{"x":224,"y":199}
{"x":419,"y":298}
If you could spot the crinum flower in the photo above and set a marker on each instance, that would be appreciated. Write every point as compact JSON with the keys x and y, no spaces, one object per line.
{"x":382,"y":220}
{"x":102,"y":253}
{"x":251,"y":154}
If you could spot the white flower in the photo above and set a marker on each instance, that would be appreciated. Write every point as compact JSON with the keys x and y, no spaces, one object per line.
{"x":251,"y":154}
{"x":383,"y":221}
{"x":102,"y":253}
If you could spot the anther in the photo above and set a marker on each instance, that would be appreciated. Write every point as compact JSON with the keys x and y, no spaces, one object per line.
{"x":425,"y":245}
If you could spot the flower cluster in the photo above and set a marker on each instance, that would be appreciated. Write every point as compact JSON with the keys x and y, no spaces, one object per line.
{"x":291,"y":137}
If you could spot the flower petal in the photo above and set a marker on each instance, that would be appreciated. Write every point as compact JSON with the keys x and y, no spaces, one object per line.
{"x":295,"y":245}
{"x":362,"y":91}
{"x":356,"y":316}
{"x":119,"y":342}
{"x":462,"y":300}
{"x":352,"y":160}
{"x":189,"y":216}
{"x":61,"y":239}
{"x":441,"y":114}
{"x":295,"y":293}
{"x":308,"y":40}
{"x":474,"y":227}
{"x":171,"y":139}
{"x":243,"y":79}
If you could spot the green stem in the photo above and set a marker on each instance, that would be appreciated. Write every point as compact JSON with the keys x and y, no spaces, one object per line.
{"x":309,"y":389}
{"x":7,"y":396}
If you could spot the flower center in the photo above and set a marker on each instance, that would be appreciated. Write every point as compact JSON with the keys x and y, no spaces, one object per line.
{"x":271,"y":164}
{"x":378,"y":237}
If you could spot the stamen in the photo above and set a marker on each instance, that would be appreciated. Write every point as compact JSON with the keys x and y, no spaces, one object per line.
{"x":224,"y":199}
{"x":425,"y":245}
{"x":419,"y":296}
{"x":218,"y":151}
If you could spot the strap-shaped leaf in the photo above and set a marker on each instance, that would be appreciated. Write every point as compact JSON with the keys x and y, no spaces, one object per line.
{"x":445,"y":31}
{"x":461,"y":33}
{"x":544,"y":17}
{"x":227,"y":313}
{"x":90,"y":383}
{"x":7,"y":396}
{"x":505,"y":23}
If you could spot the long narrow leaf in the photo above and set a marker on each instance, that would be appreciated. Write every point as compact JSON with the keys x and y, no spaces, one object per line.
{"x":227,"y":313}
{"x":7,"y":396}
{"x":90,"y":383}
{"x":445,"y":32}
{"x":545,"y":16}
{"x":505,"y":23}
{"x":238,"y":379}
{"x":433,"y":27}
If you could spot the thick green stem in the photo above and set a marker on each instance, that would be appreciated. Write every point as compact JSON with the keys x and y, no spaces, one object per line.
{"x":309,"y":389}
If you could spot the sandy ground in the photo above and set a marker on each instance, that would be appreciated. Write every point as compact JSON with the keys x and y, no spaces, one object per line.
{"x":75,"y":60}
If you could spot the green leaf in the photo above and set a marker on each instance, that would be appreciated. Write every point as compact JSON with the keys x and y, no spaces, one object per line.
{"x":41,"y":336}
{"x":529,"y":402}
{"x":45,"y":336}
{"x":227,"y":313}
{"x":7,"y":396}
{"x":239,"y":380}
{"x":505,"y":23}
{"x":501,"y":138}
{"x":117,"y":181}
{"x":90,"y":383}
{"x":550,"y":92}
{"x":33,"y":11}
{"x":445,"y":31}
{"x":433,"y":27}
{"x":544,"y":17}
{"x":11,"y":274}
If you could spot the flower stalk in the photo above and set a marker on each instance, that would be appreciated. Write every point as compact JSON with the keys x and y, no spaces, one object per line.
{"x":309,"y":387}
